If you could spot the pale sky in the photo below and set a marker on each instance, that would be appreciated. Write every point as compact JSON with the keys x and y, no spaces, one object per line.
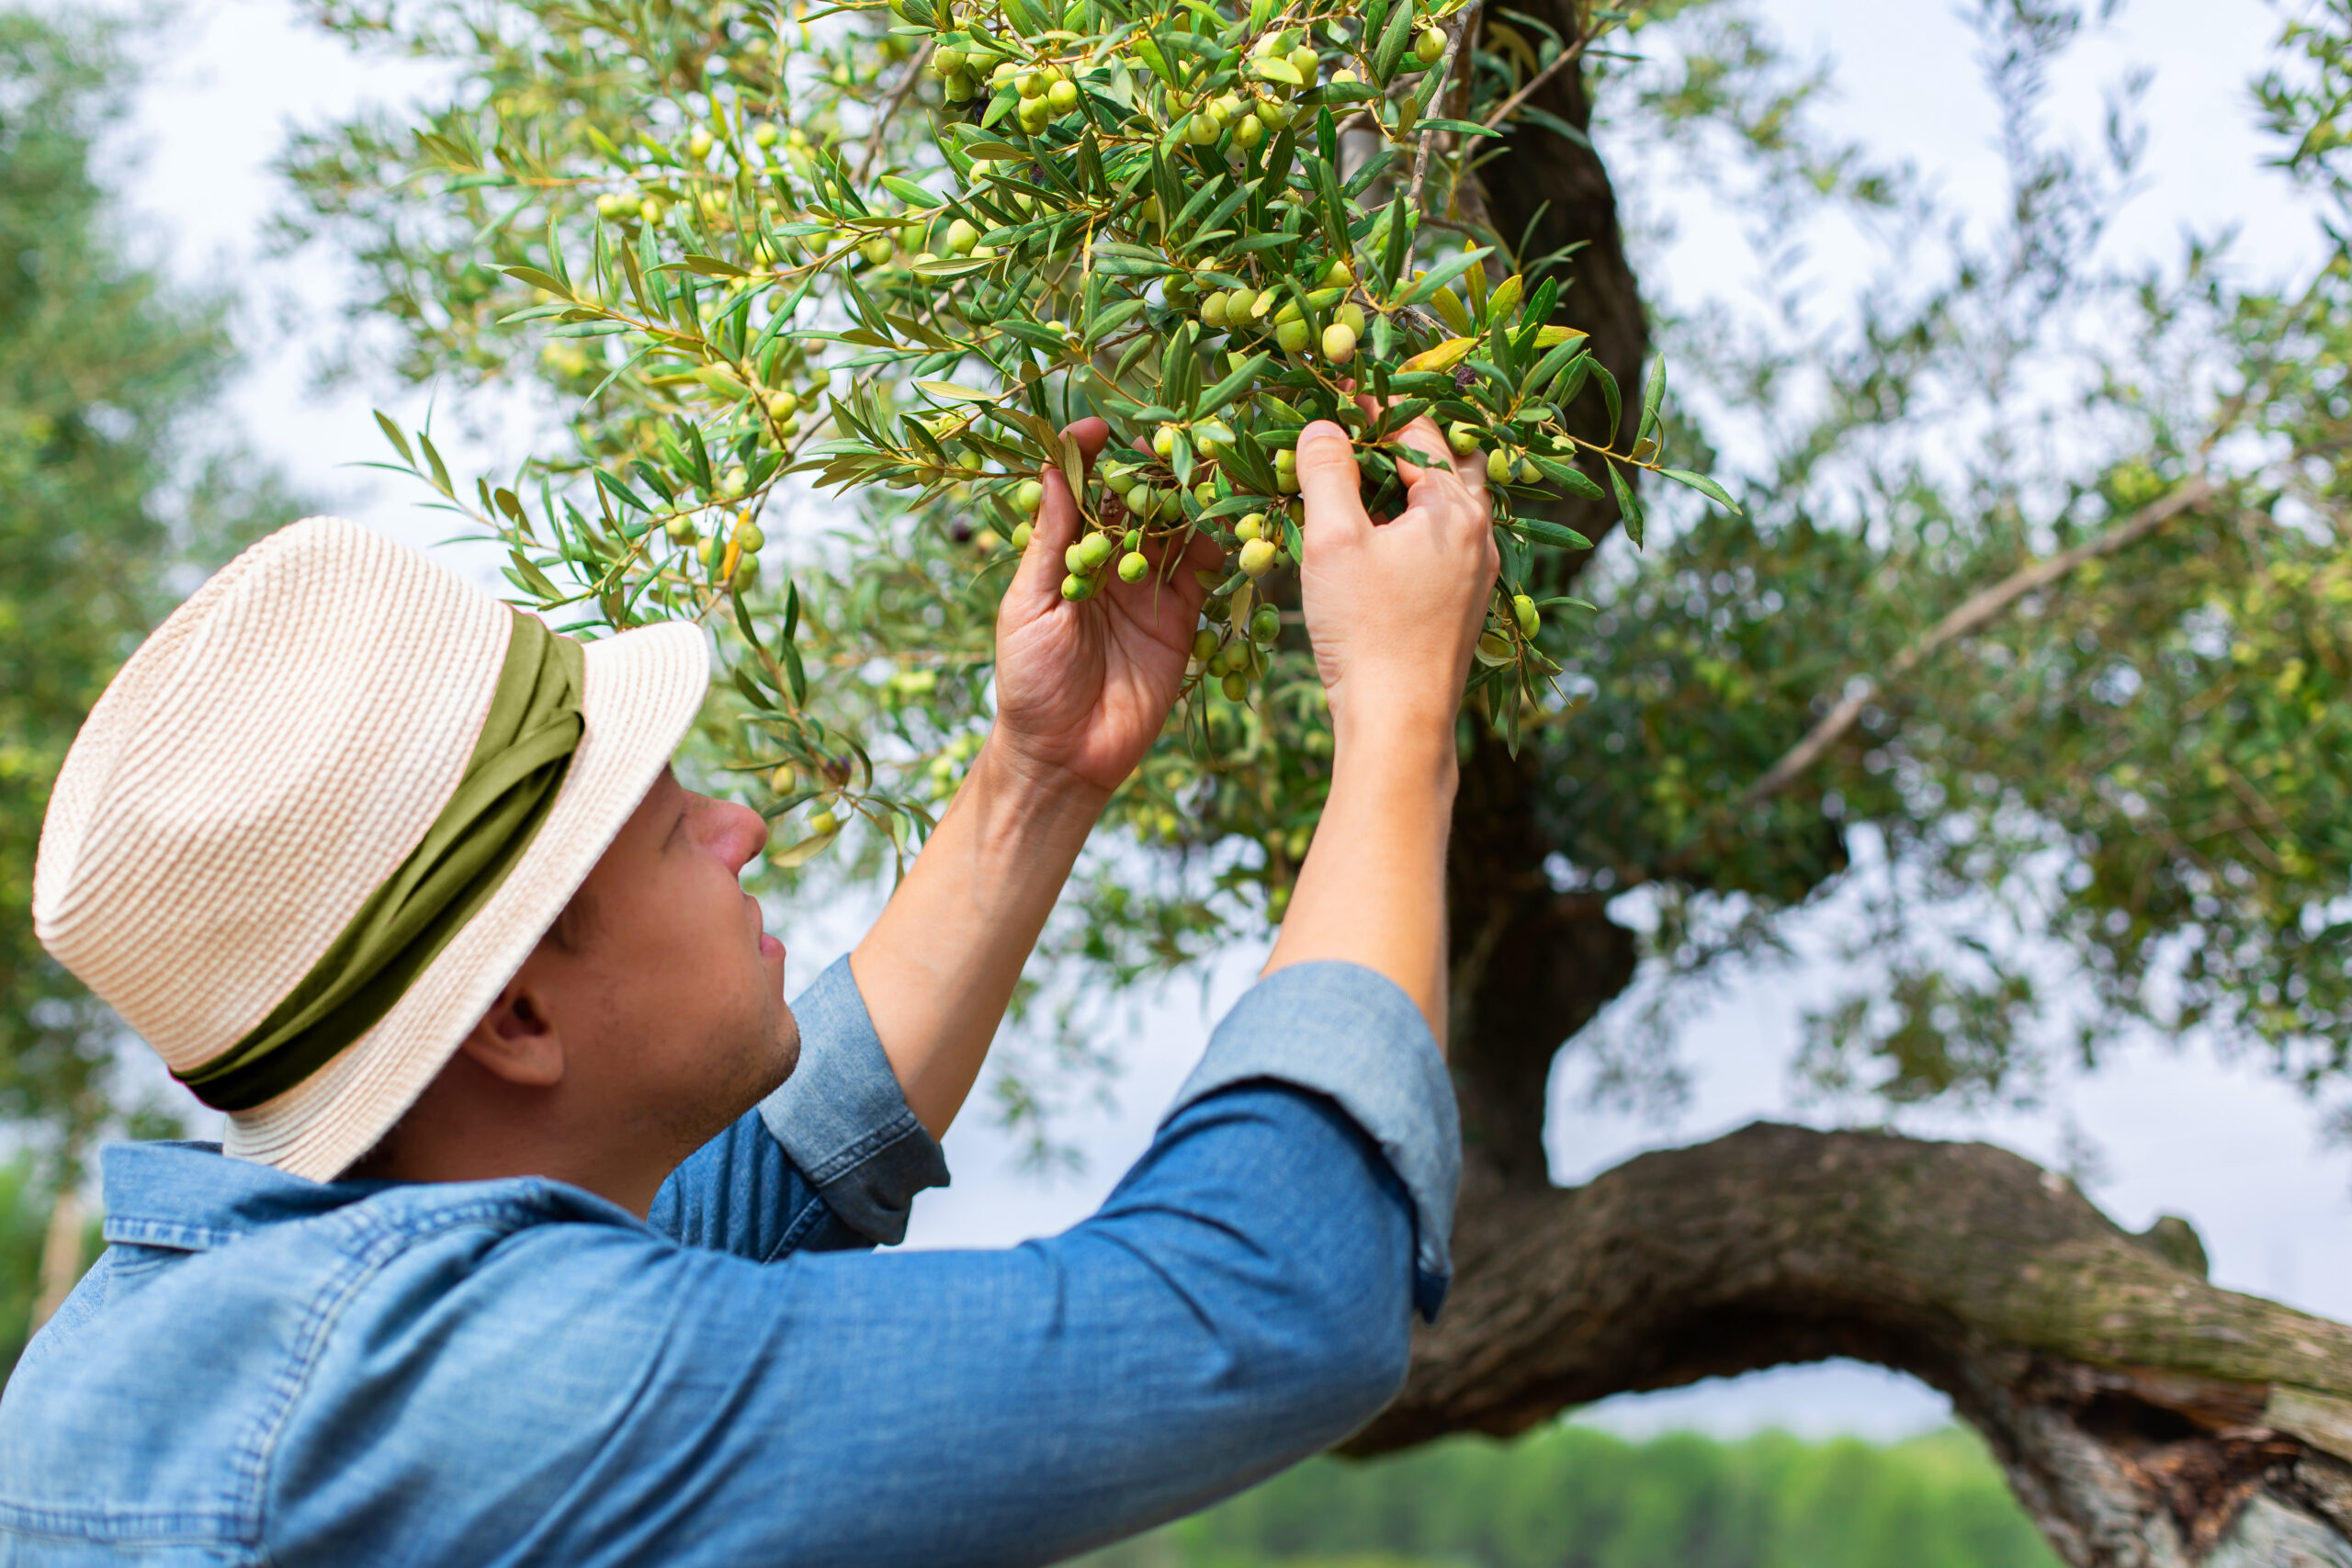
{"x":2218,"y":1142}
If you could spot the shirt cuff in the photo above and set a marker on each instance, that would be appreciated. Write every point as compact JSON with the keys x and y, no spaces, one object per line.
{"x":842,"y":1119}
{"x":1353,"y":1036}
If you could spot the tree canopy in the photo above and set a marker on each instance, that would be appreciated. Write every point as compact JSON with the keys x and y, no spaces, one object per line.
{"x":2025,"y":586}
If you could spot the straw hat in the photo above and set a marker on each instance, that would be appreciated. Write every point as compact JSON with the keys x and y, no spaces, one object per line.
{"x":268,"y":759}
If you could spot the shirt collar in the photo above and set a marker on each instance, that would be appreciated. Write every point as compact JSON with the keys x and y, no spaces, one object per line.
{"x":191,"y":1197}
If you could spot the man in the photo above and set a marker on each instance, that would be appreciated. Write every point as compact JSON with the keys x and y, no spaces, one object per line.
{"x":527,"y":1243}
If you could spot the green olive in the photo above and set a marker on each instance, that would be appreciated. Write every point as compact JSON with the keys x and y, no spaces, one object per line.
{"x":1163,"y":441}
{"x":1292,"y":336}
{"x":1250,"y":528}
{"x":1204,"y":645}
{"x":1077,"y":589}
{"x":1428,"y":45}
{"x":1338,"y":343}
{"x":1463,"y":438}
{"x":824,"y":824}
{"x":1529,"y":619}
{"x":1265,"y":625}
{"x":1096,"y":549}
{"x":1062,"y":98}
{"x":1498,"y":467}
{"x":1029,"y":495}
{"x":1236,"y":686}
{"x":1021,"y":533}
{"x":1258,"y":557}
{"x":1133,"y":567}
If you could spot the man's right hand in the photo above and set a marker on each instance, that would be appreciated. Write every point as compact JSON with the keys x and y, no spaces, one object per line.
{"x":1394,"y":608}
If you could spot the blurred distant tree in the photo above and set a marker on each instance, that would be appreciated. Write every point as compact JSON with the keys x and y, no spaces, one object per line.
{"x":115,"y":493}
{"x":2029,"y":647}
{"x":1572,"y":1495}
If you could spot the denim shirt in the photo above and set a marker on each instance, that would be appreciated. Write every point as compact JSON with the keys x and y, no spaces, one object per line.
{"x":266,"y":1369}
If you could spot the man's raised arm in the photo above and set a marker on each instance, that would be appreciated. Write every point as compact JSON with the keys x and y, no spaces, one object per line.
{"x":1082,"y":690}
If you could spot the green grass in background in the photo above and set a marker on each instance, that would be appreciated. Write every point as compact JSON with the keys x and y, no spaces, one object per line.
{"x":1576,"y":1497}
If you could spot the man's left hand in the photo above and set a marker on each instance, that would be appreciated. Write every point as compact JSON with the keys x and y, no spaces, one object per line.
{"x":1082,"y":689}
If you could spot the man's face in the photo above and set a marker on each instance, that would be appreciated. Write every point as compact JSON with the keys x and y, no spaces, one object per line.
{"x":665,"y":989}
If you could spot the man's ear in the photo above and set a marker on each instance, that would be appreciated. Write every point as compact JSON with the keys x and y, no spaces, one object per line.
{"x":516,"y":1041}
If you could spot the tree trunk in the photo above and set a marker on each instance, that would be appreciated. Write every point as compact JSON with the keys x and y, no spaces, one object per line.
{"x":1528,"y":966}
{"x":2144,"y":1418}
{"x":61,"y":1253}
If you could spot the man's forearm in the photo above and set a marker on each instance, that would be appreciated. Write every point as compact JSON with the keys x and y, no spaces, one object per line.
{"x":938,"y":968}
{"x":1372,"y":890}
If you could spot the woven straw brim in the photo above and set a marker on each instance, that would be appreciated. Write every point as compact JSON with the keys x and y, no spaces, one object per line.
{"x":640,"y":693}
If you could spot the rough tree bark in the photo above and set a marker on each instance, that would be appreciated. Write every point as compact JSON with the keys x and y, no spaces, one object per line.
{"x":2144,"y":1418}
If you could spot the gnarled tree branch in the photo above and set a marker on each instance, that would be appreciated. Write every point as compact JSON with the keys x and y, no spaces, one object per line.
{"x":2145,"y":1417}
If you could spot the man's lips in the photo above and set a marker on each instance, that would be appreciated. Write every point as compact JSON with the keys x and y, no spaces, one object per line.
{"x":769,"y":946}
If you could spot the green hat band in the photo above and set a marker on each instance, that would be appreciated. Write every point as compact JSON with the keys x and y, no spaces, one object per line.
{"x":509,"y":786}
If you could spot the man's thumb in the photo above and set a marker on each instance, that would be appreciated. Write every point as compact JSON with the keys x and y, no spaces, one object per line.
{"x":1051,"y":533}
{"x":1328,"y":480}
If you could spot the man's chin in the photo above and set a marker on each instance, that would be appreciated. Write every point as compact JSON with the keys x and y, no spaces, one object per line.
{"x":787,"y":1052}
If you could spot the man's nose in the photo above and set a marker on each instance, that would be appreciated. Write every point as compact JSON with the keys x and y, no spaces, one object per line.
{"x":736,"y":834}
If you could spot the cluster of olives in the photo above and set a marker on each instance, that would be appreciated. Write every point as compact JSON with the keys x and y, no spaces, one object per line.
{"x":1282,"y":61}
{"x":728,"y":555}
{"x":1242,"y":310}
{"x":1234,"y":648}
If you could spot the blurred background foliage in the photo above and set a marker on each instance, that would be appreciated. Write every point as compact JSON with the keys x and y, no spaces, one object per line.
{"x":2107,"y":806}
{"x":1577,"y":1498}
{"x":116,"y":494}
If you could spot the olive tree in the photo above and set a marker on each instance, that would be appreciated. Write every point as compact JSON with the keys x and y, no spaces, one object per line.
{"x":2035,"y":576}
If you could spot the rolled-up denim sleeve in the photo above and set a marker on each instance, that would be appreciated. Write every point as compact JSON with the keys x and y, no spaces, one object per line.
{"x":843,"y":1118}
{"x":833,"y":1159}
{"x":1352,"y":1035}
